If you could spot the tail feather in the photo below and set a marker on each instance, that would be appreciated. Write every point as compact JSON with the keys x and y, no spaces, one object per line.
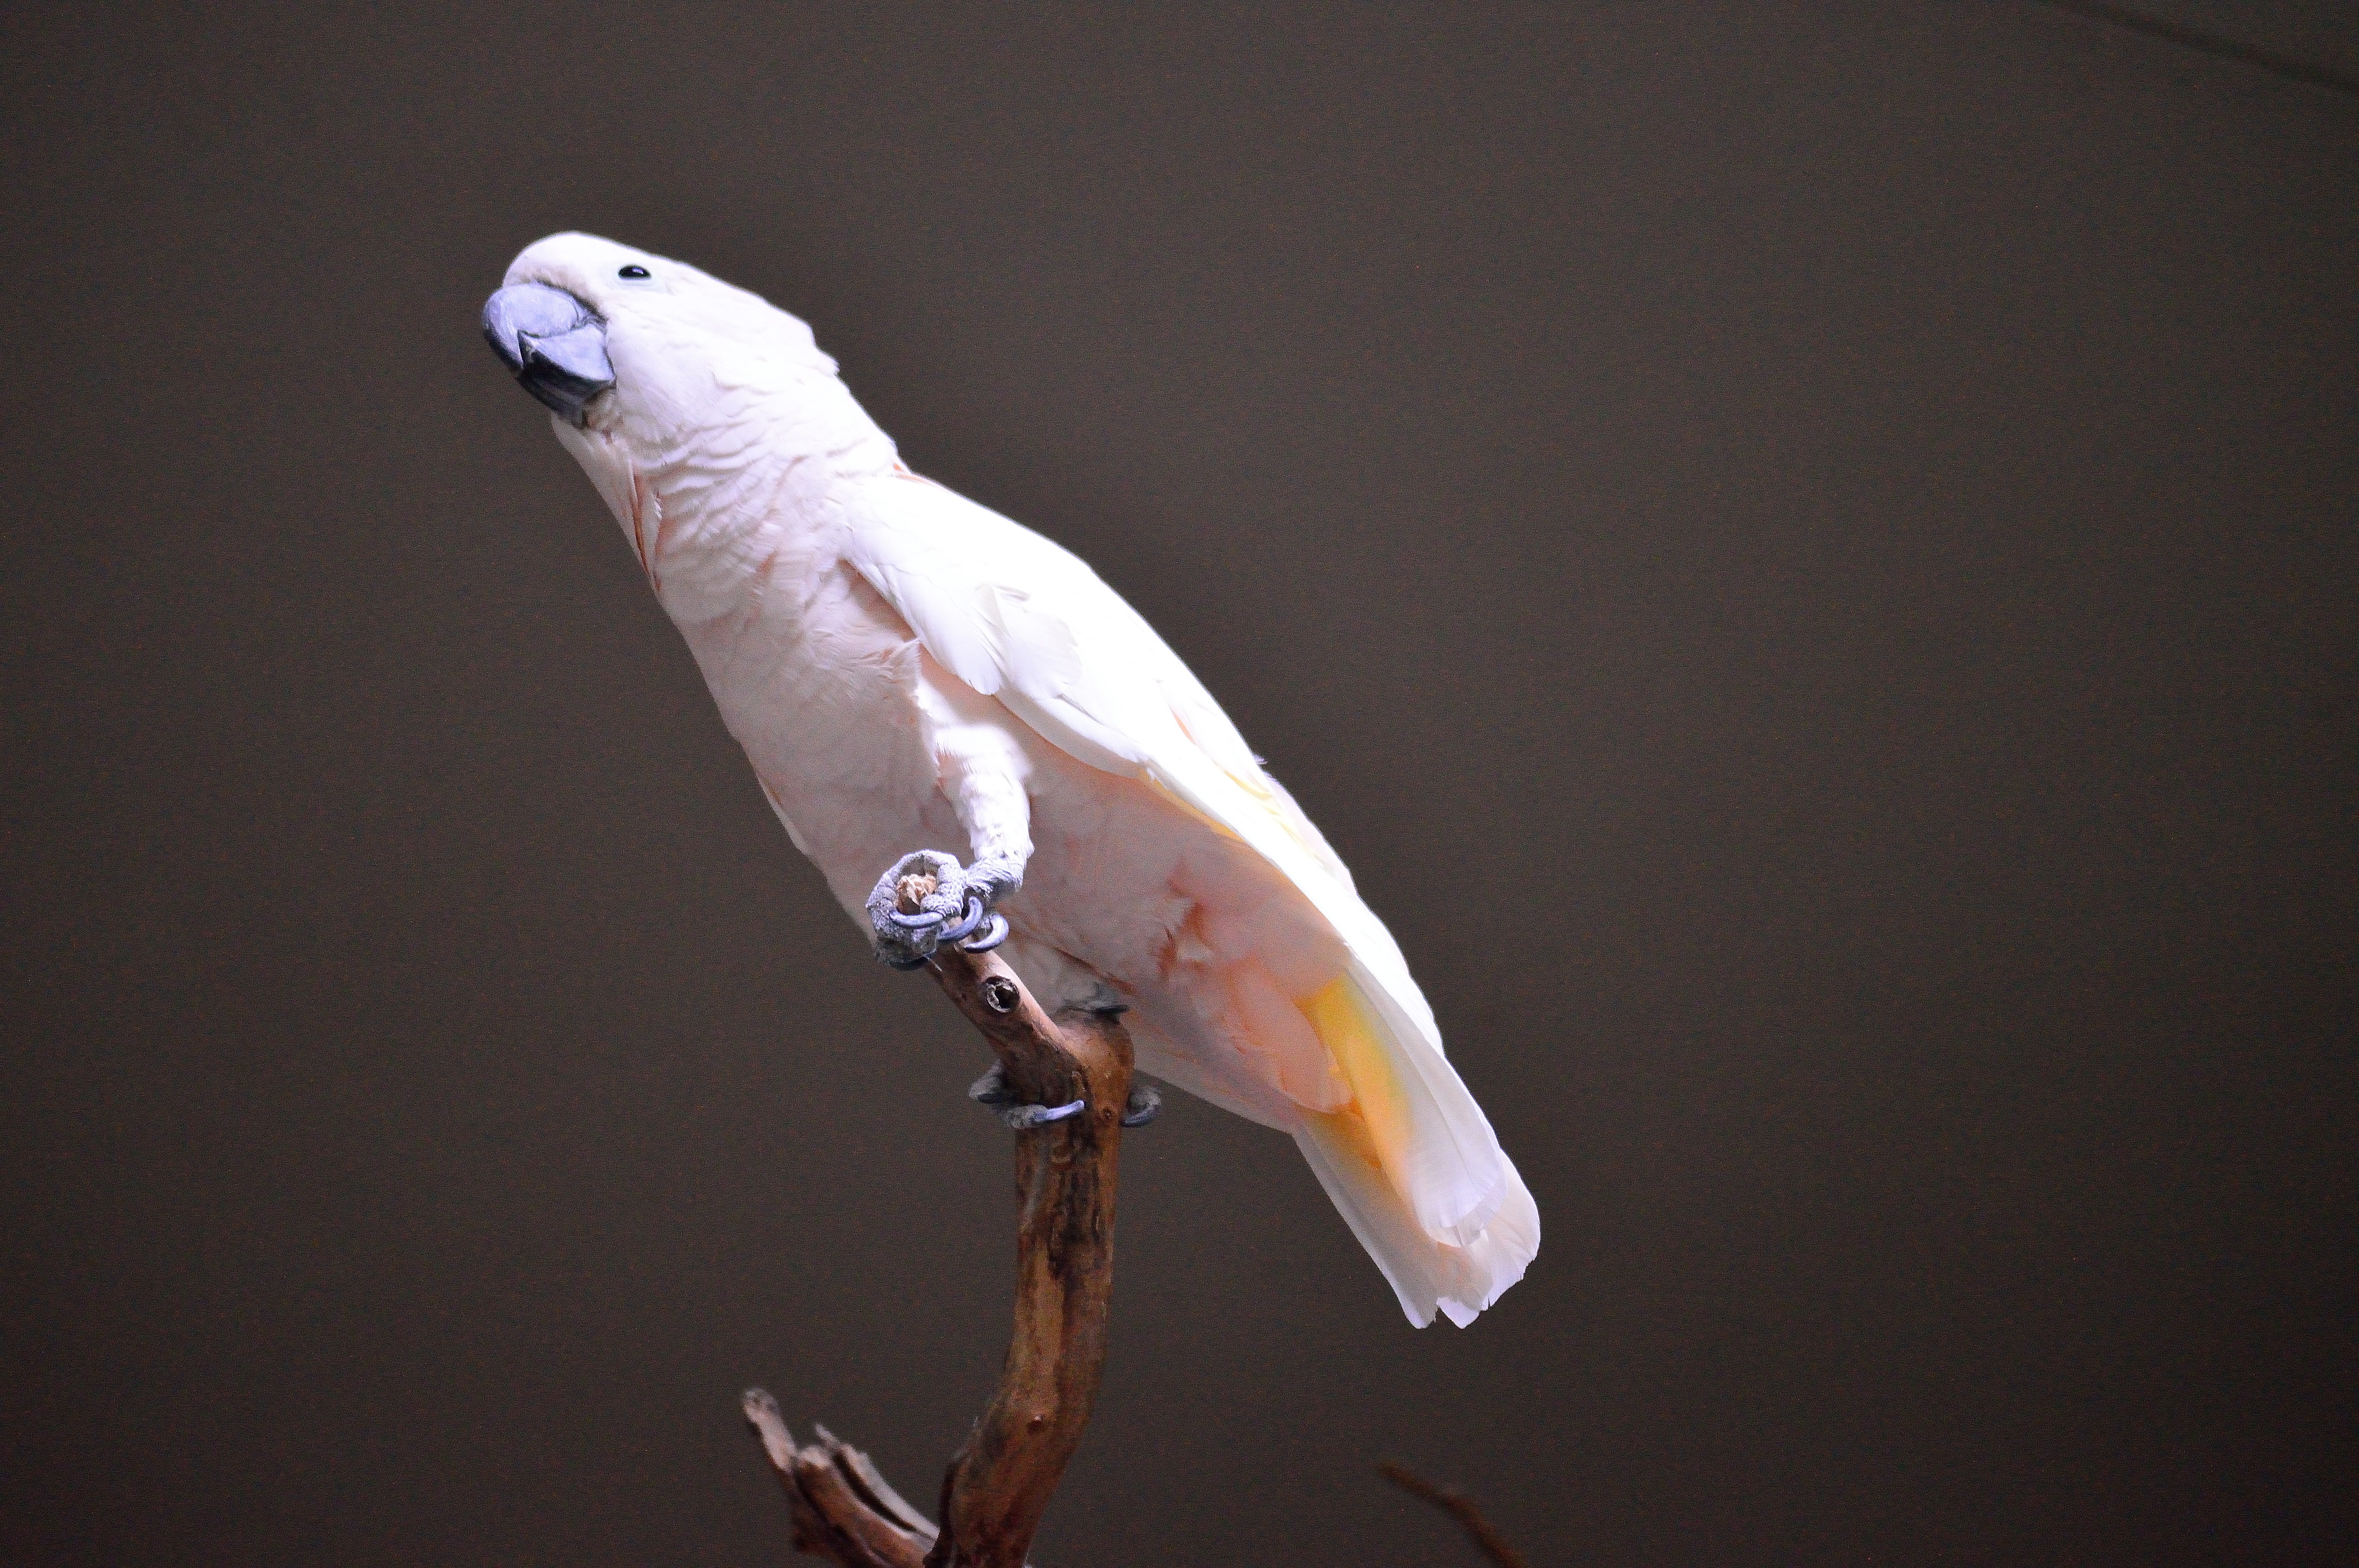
{"x":1429,"y":1136}
{"x":1427,"y":1275}
{"x":1409,"y":1158}
{"x":1412,"y":1162}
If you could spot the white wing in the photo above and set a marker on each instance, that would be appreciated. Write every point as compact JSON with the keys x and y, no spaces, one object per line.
{"x":1017,"y":617}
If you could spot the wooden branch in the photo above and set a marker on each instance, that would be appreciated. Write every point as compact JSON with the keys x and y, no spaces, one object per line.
{"x":1460,"y":1507}
{"x":1000,"y":1480}
{"x":999,"y":1483}
{"x":843,"y":1508}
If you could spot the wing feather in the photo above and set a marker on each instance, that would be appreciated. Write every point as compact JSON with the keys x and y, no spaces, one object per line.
{"x":1016,"y":616}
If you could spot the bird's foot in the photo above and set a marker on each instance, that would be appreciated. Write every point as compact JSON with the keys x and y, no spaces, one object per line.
{"x":1145,"y":1104}
{"x":928,"y":898}
{"x":993,"y":1089}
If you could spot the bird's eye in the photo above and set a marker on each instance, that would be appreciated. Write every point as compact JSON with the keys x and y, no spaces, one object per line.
{"x":634,"y":270}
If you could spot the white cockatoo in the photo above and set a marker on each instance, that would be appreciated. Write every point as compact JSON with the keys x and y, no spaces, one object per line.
{"x":907,"y":669}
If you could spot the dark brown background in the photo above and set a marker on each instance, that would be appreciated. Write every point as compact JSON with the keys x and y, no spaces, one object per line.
{"x":1842,"y":515}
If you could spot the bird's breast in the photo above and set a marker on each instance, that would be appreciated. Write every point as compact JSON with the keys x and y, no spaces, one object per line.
{"x":816,"y":676}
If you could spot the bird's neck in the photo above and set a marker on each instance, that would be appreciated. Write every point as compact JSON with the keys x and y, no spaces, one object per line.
{"x":722,"y":511}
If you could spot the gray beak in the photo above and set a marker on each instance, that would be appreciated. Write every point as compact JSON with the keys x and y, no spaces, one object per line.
{"x":552,"y":343}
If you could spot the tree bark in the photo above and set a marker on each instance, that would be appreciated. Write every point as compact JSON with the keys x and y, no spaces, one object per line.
{"x":1000,"y":1481}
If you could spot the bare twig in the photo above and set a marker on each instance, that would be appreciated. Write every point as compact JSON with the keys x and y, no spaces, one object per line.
{"x":843,"y":1508}
{"x":2218,"y":45}
{"x":1460,"y":1507}
{"x":1000,"y":1481}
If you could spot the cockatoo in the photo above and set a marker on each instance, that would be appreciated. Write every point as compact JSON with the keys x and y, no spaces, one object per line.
{"x":907,"y":669}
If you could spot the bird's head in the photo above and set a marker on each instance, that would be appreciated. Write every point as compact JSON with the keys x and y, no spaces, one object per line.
{"x":601,"y":332}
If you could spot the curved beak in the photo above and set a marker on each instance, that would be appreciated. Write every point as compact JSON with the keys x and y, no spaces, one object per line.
{"x":552,"y":343}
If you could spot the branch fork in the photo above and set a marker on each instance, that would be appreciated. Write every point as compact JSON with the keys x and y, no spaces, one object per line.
{"x":1076,"y":1067}
{"x":1000,"y":1481}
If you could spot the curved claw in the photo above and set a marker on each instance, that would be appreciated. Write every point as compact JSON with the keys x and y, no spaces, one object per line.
{"x":992,"y":1088}
{"x":995,"y":931}
{"x":918,"y":922}
{"x":974,"y":914}
{"x":1024,"y":1116}
{"x":1146,"y":1104}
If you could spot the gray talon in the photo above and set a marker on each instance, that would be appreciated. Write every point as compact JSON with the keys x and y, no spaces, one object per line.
{"x":955,"y":904}
{"x":993,"y":932}
{"x":1020,"y":1117}
{"x":993,"y":1090}
{"x":1145,"y":1103}
{"x":905,"y":940}
{"x":958,"y":930}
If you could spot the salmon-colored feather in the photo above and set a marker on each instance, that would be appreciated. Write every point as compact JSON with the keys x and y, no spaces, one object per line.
{"x":907,"y":669}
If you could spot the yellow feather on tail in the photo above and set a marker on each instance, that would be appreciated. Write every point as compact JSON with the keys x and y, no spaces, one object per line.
{"x":1368,"y":1155}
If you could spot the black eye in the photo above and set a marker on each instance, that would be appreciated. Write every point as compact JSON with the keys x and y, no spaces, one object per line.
{"x":634,"y":270}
